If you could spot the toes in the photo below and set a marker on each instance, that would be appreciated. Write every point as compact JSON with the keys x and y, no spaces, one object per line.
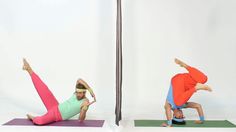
{"x":24,"y":60}
{"x":177,"y":61}
{"x":209,"y":89}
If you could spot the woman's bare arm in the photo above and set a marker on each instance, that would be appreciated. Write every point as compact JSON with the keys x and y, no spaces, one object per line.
{"x":196,"y":106}
{"x":84,"y":109}
{"x":87,"y":86}
{"x":199,"y":109}
{"x":168,"y":114}
{"x":84,"y":83}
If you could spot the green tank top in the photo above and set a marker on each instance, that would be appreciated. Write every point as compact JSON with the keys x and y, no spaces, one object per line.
{"x":70,"y":107}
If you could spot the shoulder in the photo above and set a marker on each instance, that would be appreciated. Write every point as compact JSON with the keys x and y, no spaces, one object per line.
{"x":85,"y":101}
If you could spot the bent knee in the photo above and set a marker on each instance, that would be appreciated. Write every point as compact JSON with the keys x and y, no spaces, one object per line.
{"x":204,"y":79}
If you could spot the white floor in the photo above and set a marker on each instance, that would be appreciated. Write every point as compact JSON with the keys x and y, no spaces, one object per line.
{"x":10,"y":111}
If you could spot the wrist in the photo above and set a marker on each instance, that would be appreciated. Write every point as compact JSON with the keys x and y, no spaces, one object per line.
{"x":169,"y":122}
{"x":201,"y":118}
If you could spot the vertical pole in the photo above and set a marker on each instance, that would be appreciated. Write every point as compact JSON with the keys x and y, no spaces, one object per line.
{"x":118,"y":62}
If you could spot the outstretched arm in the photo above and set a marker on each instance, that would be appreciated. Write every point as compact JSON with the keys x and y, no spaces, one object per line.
{"x":199,"y":109}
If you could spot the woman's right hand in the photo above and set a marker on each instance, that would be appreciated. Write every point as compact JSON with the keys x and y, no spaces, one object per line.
{"x":165,"y":125}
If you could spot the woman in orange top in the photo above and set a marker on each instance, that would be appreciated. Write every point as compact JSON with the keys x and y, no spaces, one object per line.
{"x":183,"y":86}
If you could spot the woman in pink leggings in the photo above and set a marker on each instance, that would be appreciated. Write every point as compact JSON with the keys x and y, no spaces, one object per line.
{"x":76,"y":104}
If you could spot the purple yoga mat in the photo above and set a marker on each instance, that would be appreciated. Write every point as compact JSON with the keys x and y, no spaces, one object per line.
{"x":66,"y":123}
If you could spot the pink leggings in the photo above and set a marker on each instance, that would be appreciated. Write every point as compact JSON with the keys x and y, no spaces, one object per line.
{"x":49,"y":101}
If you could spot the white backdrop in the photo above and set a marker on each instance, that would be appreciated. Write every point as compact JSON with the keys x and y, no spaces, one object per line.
{"x":65,"y":40}
{"x":200,"y":32}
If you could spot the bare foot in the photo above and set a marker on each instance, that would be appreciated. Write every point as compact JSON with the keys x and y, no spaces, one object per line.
{"x":200,"y":86}
{"x":26,"y":66}
{"x":198,"y":122}
{"x":181,"y":63}
{"x":30,"y":117}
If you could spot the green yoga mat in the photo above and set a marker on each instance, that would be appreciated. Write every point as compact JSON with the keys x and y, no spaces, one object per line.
{"x":189,"y":123}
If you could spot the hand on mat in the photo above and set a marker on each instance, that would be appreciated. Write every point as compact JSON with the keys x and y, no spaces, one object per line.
{"x":81,"y":121}
{"x":165,"y":125}
{"x":198,"y":122}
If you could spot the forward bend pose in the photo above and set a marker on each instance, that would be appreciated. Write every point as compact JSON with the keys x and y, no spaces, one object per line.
{"x":76,"y":104}
{"x":182,"y":87}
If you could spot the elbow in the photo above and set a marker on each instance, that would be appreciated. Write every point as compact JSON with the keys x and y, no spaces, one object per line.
{"x":167,"y":107}
{"x":204,"y":80}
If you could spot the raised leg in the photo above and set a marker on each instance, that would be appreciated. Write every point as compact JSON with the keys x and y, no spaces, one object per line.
{"x":196,"y":74}
{"x":45,"y":94}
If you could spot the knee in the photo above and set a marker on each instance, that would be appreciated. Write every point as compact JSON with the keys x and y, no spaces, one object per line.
{"x":204,"y":79}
